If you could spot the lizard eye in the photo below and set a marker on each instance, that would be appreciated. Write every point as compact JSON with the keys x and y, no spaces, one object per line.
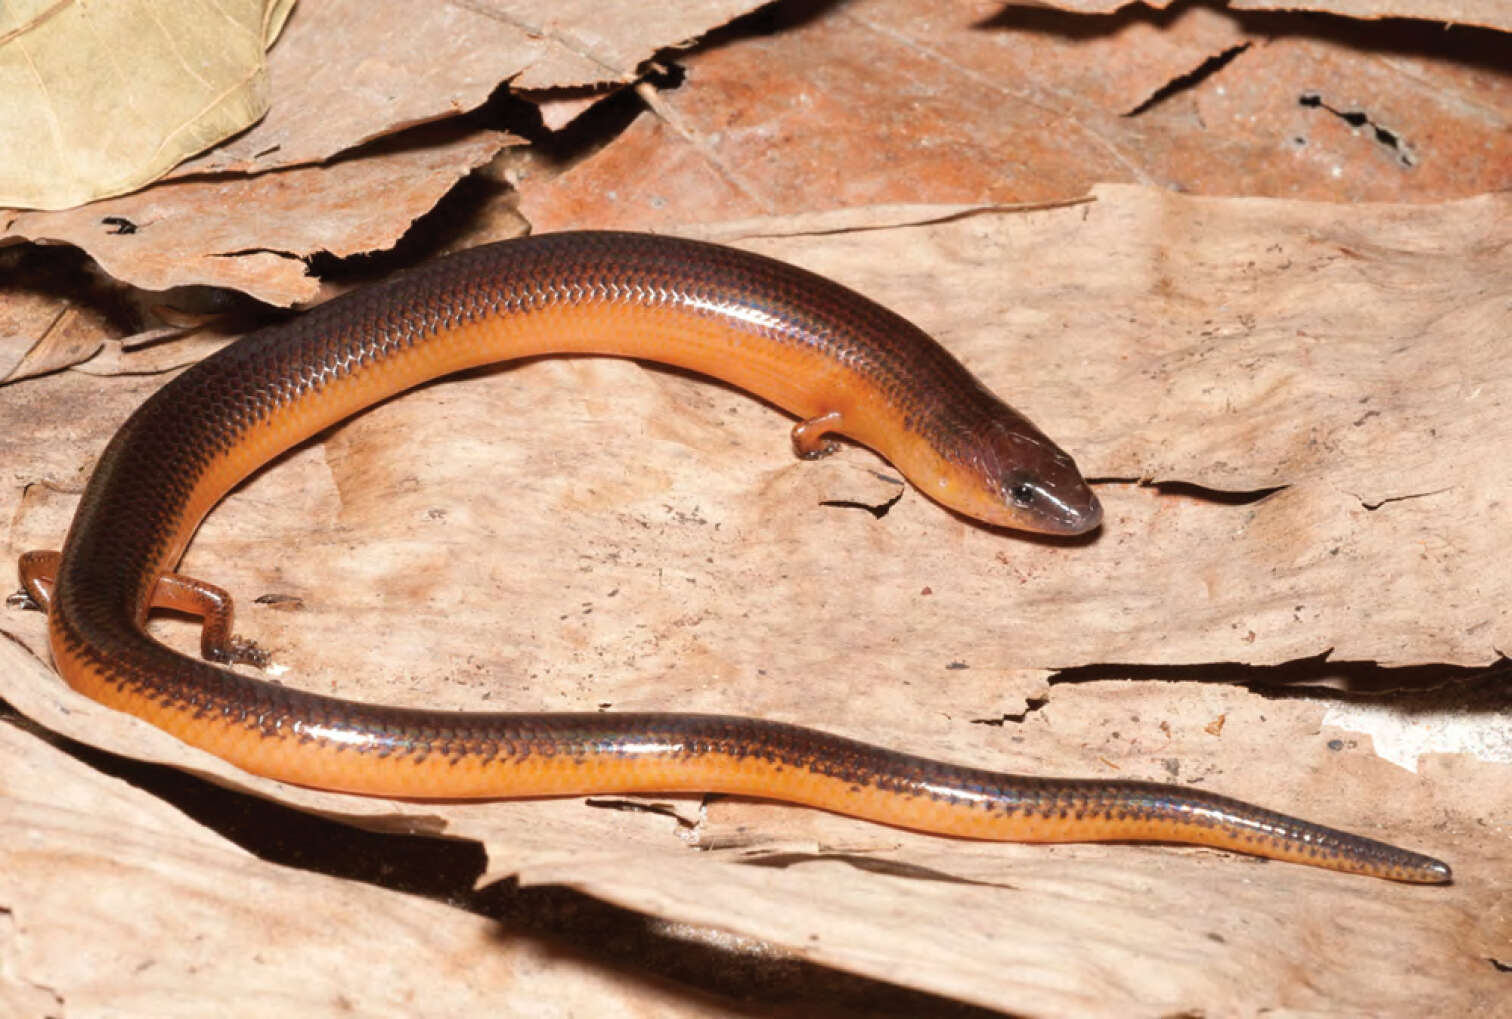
{"x":1022,"y":491}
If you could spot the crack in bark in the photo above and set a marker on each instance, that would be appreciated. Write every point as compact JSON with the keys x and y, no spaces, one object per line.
{"x":1403,"y":153}
{"x":636,"y":807}
{"x":1373,"y":506}
{"x":1202,"y":72}
{"x":1298,"y":677}
{"x":870,"y":865}
{"x":1031,"y":705}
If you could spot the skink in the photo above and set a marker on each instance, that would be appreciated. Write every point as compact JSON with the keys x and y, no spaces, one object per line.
{"x":837,"y":361}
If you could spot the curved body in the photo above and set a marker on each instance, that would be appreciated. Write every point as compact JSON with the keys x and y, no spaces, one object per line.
{"x":834,"y":359}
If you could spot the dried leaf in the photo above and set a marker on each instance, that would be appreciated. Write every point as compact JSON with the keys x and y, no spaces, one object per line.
{"x":343,"y":75}
{"x":66,"y":337}
{"x":53,"y":313}
{"x":1487,"y":13}
{"x":253,"y":234}
{"x":115,"y":903}
{"x":877,"y":102}
{"x":647,"y":542}
{"x":181,"y":75}
{"x":172,"y":348}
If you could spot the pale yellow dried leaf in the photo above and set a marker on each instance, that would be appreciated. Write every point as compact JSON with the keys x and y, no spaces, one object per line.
{"x":102,"y":98}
